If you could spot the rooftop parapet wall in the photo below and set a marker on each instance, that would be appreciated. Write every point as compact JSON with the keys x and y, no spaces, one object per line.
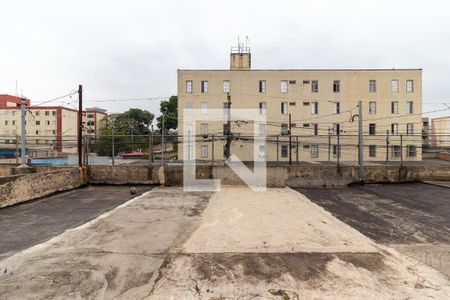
{"x":35,"y":185}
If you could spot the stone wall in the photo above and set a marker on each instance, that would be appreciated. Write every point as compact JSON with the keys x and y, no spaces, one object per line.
{"x":124,"y":175}
{"x":31,"y":186}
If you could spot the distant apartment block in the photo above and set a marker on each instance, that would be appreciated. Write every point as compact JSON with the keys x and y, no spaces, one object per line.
{"x":322,"y":104}
{"x":48,"y":128}
{"x":440,"y":132}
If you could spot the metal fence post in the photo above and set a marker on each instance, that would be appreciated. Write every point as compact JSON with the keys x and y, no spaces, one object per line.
{"x":212,"y":148}
{"x":112,"y":145}
{"x":387,"y":146}
{"x":401,"y":150}
{"x":296,"y":145}
{"x":278,"y":150}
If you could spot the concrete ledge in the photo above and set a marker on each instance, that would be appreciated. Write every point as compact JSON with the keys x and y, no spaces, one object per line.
{"x":31,"y":186}
{"x":124,"y":175}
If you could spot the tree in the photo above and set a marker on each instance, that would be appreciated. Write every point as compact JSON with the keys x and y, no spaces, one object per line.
{"x":170,"y":110}
{"x":130,"y":132}
{"x":135,"y":120}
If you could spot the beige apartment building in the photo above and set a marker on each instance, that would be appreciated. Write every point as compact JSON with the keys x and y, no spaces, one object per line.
{"x":49,"y":129}
{"x":440,"y":132}
{"x":322,"y":105}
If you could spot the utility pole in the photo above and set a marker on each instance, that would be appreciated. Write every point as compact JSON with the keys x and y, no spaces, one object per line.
{"x":80,"y":125}
{"x":228,"y":144}
{"x":329,"y":145}
{"x":23,"y":163}
{"x":360,"y":143}
{"x":338,"y":150}
{"x":387,"y":146}
{"x":296,"y":147}
{"x":112,"y":144}
{"x":290,"y":140}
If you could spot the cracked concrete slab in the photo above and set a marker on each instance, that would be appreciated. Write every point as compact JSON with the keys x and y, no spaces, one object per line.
{"x":239,"y":244}
{"x":278,"y":220}
{"x":116,"y":255}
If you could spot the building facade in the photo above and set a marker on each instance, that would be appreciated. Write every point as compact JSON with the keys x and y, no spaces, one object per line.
{"x":440,"y":132}
{"x":48,"y":129}
{"x":322,"y":105}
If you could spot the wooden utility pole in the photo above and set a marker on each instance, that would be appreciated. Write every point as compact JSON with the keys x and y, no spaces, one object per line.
{"x":360,"y":143}
{"x":228,"y":144}
{"x":80,"y":126}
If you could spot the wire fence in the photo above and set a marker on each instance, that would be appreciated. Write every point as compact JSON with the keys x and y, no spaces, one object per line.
{"x":157,"y":148}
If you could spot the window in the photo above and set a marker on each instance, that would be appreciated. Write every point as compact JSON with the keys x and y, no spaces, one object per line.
{"x":204,"y":86}
{"x":262,"y":129}
{"x":314,"y":150}
{"x":13,"y":113}
{"x":189,"y":86}
{"x":315,"y":129}
{"x":188,"y":108}
{"x":372,"y":151}
{"x":410,"y":129}
{"x":226,"y":107}
{"x":284,"y":86}
{"x":305,"y":103}
{"x":38,"y":123}
{"x":262,"y":86}
{"x":336,"y":150}
{"x":396,"y":150}
{"x":204,"y":108}
{"x":314,"y":86}
{"x":336,"y":86}
{"x":292,"y":81}
{"x":284,"y":150}
{"x":204,"y":151}
{"x":284,"y":108}
{"x":409,"y":107}
{"x":336,"y":129}
{"x":48,"y":122}
{"x":409,"y":86}
{"x":292,"y":103}
{"x":284,"y":129}
{"x":204,"y":129}
{"x":394,"y":129}
{"x":372,"y":86}
{"x":262,"y":108}
{"x":372,"y":108}
{"x":336,"y":107}
{"x":226,"y":86}
{"x":37,"y":113}
{"x":314,"y":107}
{"x":90,"y":116}
{"x":394,"y":107}
{"x":372,"y":129}
{"x":53,"y":113}
{"x":13,"y":122}
{"x":6,"y":122}
{"x":53,"y":131}
{"x":262,"y":151}
{"x":47,"y":113}
{"x":305,"y":81}
{"x":37,"y":132}
{"x":411,"y":150}
{"x":394,"y":86}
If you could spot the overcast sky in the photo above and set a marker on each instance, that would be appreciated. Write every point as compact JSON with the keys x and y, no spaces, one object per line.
{"x":132,"y":49}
